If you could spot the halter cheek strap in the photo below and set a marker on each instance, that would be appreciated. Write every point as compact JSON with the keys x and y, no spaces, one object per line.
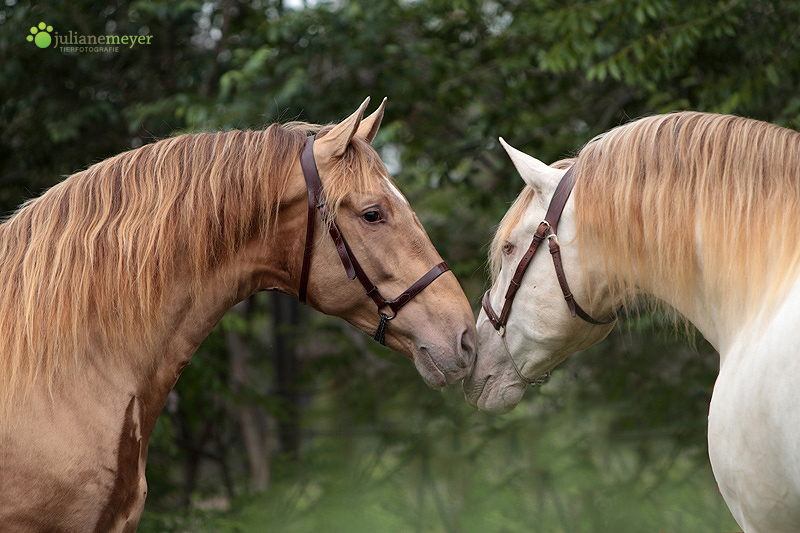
{"x":317,"y":202}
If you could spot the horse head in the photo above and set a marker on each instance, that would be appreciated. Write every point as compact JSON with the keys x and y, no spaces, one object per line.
{"x":424,"y":314}
{"x":541,"y":330}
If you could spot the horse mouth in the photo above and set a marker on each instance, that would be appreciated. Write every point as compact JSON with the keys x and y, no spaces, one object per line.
{"x":473,"y":390}
{"x":432,"y":371}
{"x":491,"y":396}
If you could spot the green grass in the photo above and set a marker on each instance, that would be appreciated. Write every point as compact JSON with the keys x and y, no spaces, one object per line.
{"x":539,"y":469}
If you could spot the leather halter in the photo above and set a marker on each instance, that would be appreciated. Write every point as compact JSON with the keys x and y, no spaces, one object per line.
{"x":546,"y":230}
{"x":316,"y":201}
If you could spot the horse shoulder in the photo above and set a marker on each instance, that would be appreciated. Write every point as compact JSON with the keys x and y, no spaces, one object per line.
{"x":75,"y":463}
{"x":754,"y":423}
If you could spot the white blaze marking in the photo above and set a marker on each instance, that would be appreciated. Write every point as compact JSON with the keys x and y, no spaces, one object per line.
{"x":395,"y":190}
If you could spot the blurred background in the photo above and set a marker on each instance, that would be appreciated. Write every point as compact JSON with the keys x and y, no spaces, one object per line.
{"x":290,"y":421}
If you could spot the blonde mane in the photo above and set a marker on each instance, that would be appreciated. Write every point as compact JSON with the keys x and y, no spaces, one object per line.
{"x":93,"y":257}
{"x":646,"y":191}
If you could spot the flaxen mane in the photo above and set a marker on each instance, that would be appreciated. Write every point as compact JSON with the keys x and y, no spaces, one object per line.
{"x":644,"y":192}
{"x":96,"y":253}
{"x":734,"y":181}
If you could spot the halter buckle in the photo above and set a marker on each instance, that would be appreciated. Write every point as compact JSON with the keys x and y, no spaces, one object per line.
{"x":552,"y":237}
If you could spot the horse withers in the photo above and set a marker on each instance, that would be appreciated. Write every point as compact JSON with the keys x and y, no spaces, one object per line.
{"x":110,"y":281}
{"x":694,"y":212}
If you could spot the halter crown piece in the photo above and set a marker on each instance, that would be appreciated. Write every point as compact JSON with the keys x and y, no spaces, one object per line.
{"x":317,"y":202}
{"x":546,"y":230}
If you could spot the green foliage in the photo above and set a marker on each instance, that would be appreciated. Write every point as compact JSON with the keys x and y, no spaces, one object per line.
{"x":614,"y":443}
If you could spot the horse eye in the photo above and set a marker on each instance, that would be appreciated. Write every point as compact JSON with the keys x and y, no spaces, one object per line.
{"x":508,"y":248}
{"x":371,"y":216}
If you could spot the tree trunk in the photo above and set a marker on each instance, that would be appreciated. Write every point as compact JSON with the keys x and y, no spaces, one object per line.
{"x":286,"y":315}
{"x":252,"y":419}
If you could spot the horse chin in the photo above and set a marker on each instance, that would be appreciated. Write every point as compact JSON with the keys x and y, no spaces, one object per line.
{"x":493,"y":396}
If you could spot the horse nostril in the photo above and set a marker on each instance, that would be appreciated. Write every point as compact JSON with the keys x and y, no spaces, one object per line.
{"x":467,"y":348}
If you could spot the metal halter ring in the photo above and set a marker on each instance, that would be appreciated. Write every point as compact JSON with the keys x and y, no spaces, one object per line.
{"x":553,"y":237}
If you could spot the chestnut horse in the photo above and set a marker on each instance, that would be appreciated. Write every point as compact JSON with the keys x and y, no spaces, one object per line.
{"x":111,"y":279}
{"x":697,"y":213}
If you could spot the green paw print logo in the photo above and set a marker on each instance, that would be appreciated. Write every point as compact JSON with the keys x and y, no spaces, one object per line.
{"x":41,"y":35}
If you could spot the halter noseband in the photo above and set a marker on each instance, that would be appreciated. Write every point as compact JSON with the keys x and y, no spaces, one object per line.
{"x":316,"y":201}
{"x":546,"y":230}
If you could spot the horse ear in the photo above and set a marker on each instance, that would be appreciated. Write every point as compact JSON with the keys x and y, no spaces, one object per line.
{"x":335,"y":142}
{"x":535,"y":173}
{"x":369,"y":126}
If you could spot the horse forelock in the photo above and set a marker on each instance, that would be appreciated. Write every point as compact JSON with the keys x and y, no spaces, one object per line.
{"x":358,"y":171}
{"x":512,"y":219}
{"x":645,"y":193}
{"x":101,"y":246}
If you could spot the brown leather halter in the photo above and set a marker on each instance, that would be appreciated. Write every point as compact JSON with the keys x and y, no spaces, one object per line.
{"x":546,"y":230}
{"x":316,"y":201}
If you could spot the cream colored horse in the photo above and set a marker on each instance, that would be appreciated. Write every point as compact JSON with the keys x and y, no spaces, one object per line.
{"x":110,"y":281}
{"x":694,"y":212}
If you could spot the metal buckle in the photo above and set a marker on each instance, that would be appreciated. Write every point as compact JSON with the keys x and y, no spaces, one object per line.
{"x":553,"y":237}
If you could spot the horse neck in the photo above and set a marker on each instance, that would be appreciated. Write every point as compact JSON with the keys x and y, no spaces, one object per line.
{"x":703,"y":310}
{"x":104,"y":409}
{"x":190,"y":314}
